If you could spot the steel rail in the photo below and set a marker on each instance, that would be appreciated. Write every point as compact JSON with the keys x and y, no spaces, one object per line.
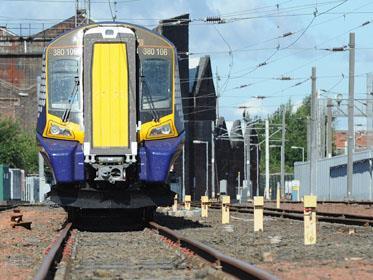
{"x":347,"y":202}
{"x":56,"y":248}
{"x":340,"y":218}
{"x":232,"y":266}
{"x":6,"y":207}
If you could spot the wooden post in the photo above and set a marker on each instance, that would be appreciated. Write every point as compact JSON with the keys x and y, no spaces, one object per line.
{"x":310,"y":203}
{"x":258,"y":213}
{"x":278,"y":196}
{"x":204,"y":206}
{"x":225,"y":201}
{"x":187,"y":200}
{"x":174,"y":207}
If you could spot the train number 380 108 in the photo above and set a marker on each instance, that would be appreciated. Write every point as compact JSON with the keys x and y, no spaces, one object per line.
{"x":154,"y":51}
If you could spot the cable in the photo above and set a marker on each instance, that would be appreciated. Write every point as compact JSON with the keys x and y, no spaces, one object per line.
{"x":225,"y":84}
{"x":315,"y":14}
{"x":300,"y":36}
{"x":337,"y":83}
{"x":70,"y":1}
{"x":111,"y":11}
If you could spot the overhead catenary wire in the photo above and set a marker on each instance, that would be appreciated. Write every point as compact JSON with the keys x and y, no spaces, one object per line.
{"x":335,"y":49}
{"x":113,"y":16}
{"x":270,"y":59}
{"x":264,"y":63}
{"x":71,"y":1}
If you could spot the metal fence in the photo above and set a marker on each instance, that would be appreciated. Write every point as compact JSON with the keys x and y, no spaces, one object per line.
{"x":273,"y":180}
{"x":31,"y":193}
{"x":17,"y":183}
{"x":331,"y":180}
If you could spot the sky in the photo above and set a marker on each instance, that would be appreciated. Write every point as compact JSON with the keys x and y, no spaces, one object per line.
{"x":259,"y":43}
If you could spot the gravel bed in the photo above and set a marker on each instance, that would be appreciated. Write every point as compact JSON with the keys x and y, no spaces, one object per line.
{"x":22,"y":250}
{"x":345,"y":251}
{"x":137,"y":254}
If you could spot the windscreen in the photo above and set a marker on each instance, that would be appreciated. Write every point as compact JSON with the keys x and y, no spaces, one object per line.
{"x":63,"y":88}
{"x":156,"y":84}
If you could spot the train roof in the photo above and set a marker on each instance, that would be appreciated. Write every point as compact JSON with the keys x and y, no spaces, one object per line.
{"x":113,"y":23}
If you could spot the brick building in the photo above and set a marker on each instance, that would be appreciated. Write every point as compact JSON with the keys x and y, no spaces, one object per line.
{"x":20,"y":65}
{"x":361,"y":141}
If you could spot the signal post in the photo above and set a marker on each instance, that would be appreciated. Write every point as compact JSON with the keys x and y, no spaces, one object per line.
{"x":225,"y":202}
{"x":187,"y":200}
{"x":310,"y":203}
{"x":204,"y":206}
{"x":258,"y":213}
{"x":174,"y":207}
{"x":278,"y":196}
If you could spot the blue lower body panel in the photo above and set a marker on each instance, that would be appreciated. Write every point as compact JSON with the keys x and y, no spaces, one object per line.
{"x":157,"y":156}
{"x":66,"y":158}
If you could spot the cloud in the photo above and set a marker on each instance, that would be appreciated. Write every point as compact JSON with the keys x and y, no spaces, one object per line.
{"x":254,"y":108}
{"x":193,"y":62}
{"x":297,"y":105}
{"x":225,"y":6}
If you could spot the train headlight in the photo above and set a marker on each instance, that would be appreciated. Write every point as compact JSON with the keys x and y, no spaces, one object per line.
{"x":162,"y":130}
{"x":57,"y":130}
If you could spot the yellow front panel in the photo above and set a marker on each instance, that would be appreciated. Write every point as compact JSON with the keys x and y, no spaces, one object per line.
{"x":110,"y":95}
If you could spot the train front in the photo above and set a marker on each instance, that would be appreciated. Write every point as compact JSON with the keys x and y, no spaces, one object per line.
{"x":110,"y":118}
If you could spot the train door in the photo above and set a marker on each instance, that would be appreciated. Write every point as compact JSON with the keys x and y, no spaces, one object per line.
{"x":110,"y":91}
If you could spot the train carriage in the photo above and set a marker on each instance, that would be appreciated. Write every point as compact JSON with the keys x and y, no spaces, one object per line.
{"x":110,"y":121}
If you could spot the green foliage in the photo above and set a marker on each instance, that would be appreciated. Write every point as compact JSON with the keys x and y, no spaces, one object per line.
{"x":17,"y":148}
{"x":296,"y":135}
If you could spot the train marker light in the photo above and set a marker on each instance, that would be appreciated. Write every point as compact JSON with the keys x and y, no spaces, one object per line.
{"x":204,"y":206}
{"x":225,"y":202}
{"x":187,"y":200}
{"x":258,"y":213}
{"x":310,"y":203}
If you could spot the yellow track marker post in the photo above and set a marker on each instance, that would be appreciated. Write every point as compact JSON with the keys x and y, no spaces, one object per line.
{"x":310,"y":203}
{"x":258,"y":213}
{"x":187,"y":200}
{"x":204,"y":206}
{"x":278,"y":196}
{"x":225,"y":202}
{"x":174,"y":207}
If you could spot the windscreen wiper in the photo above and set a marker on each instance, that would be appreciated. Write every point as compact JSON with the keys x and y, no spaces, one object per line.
{"x":66,"y":113}
{"x":149,"y":99}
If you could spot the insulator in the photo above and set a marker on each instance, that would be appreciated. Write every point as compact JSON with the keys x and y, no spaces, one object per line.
{"x":365,"y":23}
{"x":287,"y":34}
{"x":339,"y":49}
{"x":213,"y":19}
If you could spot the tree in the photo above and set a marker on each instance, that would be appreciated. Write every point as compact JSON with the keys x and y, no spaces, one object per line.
{"x":296,"y":135}
{"x":18,"y":148}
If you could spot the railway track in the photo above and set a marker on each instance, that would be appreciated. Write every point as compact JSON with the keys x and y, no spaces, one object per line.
{"x":345,"y":202}
{"x":340,"y":218}
{"x":23,"y":204}
{"x":139,"y":254}
{"x":6,"y":207}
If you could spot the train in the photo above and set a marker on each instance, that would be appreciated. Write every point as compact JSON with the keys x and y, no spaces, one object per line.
{"x":110,"y":123}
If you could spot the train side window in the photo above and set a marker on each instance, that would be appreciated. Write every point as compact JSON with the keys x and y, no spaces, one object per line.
{"x":63,"y":90}
{"x":156,"y":84}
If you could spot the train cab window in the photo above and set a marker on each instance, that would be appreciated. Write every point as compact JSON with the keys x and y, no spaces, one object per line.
{"x":63,"y":86}
{"x":156,"y":84}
